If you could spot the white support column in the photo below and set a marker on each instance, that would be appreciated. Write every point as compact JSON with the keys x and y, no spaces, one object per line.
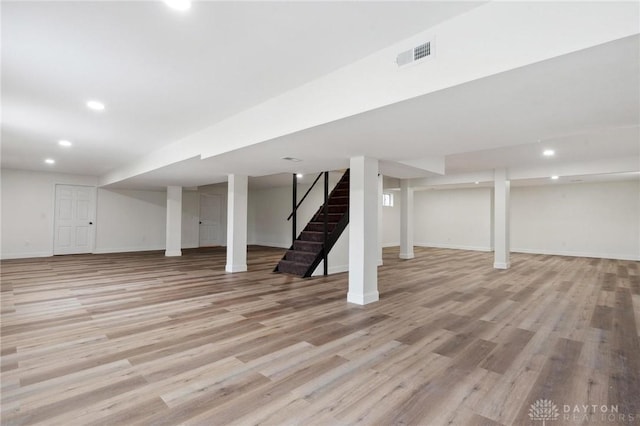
{"x":501,"y":234}
{"x":363,"y":231}
{"x":380,"y":223}
{"x":406,"y":220}
{"x":174,"y":221}
{"x":237,"y":224}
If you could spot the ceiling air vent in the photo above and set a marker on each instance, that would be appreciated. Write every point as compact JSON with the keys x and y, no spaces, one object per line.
{"x":414,"y":55}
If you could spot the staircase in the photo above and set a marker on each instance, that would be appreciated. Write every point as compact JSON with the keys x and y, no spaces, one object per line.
{"x":306,"y":253}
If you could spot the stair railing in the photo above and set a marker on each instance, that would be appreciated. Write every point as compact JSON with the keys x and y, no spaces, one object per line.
{"x":325,"y":229}
{"x":325,"y":209}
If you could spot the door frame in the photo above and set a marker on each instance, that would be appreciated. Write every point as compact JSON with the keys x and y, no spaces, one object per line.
{"x":93,"y":212}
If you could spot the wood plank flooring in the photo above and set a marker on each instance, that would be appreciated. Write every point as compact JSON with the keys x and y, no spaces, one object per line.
{"x":127,"y":339}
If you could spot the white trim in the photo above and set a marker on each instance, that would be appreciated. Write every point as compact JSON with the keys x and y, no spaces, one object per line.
{"x":236,"y":268}
{"x":332,"y":270}
{"x":173,"y":253}
{"x":407,"y":256}
{"x":579,"y":254}
{"x":109,"y":250}
{"x":453,"y":246}
{"x":8,"y":256}
{"x":386,"y":245}
{"x":265,"y":244}
{"x":363,"y":299}
{"x":502,"y":265}
{"x":338,"y":269}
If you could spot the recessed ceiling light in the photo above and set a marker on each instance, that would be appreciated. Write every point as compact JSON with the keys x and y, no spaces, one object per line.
{"x":50,"y":161}
{"x":299,"y":175}
{"x":291,"y":159}
{"x":477,"y":183}
{"x":548,"y":153}
{"x":95,"y":105}
{"x":64,"y":143}
{"x":180,"y":5}
{"x":555,"y":177}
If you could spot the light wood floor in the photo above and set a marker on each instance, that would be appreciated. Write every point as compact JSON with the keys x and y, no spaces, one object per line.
{"x":144,"y":339}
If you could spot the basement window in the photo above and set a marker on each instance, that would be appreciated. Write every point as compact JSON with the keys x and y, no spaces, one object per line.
{"x":387,"y":200}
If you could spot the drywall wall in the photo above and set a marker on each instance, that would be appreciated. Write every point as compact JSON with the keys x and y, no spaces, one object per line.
{"x":28,"y":200}
{"x":135,"y":220}
{"x":126,"y":220}
{"x":130,"y":220}
{"x":268,"y":209}
{"x":453,"y":218}
{"x":391,"y":221}
{"x":580,"y":219}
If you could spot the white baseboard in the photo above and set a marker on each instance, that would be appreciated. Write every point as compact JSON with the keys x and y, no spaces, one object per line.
{"x":501,"y":265}
{"x":265,"y":244}
{"x":363,"y":299}
{"x":8,"y":256}
{"x":173,"y":253}
{"x":615,"y":256}
{"x":107,"y":250}
{"x":236,"y":268}
{"x":336,"y":269}
{"x":387,"y":245}
{"x":453,"y":246}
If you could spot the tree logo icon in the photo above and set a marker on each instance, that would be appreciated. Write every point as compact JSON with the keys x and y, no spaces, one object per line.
{"x":543,"y":409}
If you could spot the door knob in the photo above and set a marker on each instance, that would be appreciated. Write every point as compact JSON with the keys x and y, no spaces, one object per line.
{"x":200,"y":222}
{"x":90,"y":223}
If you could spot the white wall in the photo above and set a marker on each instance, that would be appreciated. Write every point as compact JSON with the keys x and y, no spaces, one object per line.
{"x":28,"y":211}
{"x":126,"y":220}
{"x":135,"y":220}
{"x":580,"y":219}
{"x":130,"y":220}
{"x":391,"y":221}
{"x":268,"y":211}
{"x":453,"y":218}
{"x":585,"y":219}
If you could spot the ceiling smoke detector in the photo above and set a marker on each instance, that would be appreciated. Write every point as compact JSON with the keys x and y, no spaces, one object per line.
{"x":295,"y":160}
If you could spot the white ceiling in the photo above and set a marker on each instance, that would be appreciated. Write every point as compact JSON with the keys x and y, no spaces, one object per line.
{"x":585,"y":105}
{"x":164,"y":75}
{"x":565,"y":180}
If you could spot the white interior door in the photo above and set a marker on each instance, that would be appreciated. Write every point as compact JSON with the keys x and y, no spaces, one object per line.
{"x":74,"y":219}
{"x":211,"y":210}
